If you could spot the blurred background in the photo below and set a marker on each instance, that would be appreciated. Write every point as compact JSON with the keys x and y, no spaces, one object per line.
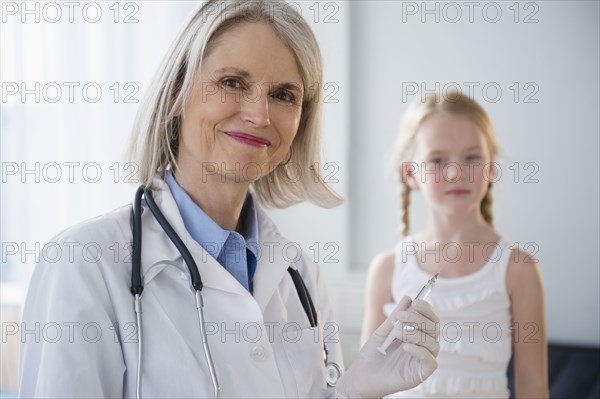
{"x":73,"y":74}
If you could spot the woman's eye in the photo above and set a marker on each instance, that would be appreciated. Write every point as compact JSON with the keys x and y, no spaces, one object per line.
{"x":285,"y":96}
{"x":473,"y":157}
{"x":436,"y":161}
{"x":232,"y":83}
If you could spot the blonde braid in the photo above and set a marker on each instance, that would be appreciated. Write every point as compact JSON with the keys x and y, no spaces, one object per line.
{"x":486,"y":206}
{"x":405,"y":210}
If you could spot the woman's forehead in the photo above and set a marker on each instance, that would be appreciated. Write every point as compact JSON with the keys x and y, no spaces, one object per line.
{"x":253,"y":47}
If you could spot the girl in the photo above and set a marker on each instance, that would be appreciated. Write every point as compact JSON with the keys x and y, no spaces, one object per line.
{"x":489,"y":296}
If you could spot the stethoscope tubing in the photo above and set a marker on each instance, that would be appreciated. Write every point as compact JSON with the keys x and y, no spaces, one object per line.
{"x":166,"y":226}
{"x":138,"y":287}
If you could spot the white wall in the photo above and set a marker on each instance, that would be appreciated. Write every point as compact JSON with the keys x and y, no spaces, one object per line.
{"x":63,"y":147}
{"x":392,"y":50}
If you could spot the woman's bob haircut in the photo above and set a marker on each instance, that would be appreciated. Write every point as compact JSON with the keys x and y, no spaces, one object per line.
{"x":155,"y":135}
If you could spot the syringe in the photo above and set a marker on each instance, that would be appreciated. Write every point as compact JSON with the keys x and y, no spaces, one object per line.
{"x":423,"y":294}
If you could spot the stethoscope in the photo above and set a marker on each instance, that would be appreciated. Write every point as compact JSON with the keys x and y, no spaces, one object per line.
{"x":137,"y":286}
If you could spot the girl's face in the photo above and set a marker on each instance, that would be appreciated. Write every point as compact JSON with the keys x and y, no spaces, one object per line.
{"x":452,"y":164}
{"x":244,"y":110}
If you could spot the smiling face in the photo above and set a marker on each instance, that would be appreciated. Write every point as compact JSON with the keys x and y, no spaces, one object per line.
{"x":453,"y":164}
{"x":244,"y":110}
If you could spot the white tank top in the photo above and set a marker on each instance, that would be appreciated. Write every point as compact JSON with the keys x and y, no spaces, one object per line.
{"x":475,"y":324}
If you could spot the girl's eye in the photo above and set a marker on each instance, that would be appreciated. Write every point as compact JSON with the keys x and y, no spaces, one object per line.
{"x":437,"y":161}
{"x":473,"y":157}
{"x":232,"y":83}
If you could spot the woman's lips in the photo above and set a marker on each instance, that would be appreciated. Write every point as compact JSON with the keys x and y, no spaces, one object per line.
{"x":249,"y":139}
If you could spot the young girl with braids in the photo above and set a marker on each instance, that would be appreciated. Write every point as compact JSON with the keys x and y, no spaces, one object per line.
{"x":489,"y":295}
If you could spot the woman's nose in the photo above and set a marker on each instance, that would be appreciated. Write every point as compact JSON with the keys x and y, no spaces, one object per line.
{"x":255,"y":107}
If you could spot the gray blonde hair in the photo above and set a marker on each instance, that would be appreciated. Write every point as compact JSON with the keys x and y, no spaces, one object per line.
{"x":453,"y":103}
{"x":155,"y":135}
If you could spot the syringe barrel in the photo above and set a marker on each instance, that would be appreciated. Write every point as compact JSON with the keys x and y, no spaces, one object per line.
{"x":423,"y":294}
{"x":388,"y":340}
{"x":425,"y":291}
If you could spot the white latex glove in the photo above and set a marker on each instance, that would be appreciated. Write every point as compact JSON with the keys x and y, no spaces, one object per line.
{"x":410,"y":359}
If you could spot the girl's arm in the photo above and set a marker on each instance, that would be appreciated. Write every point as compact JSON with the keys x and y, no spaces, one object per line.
{"x":378,"y":292}
{"x":530,"y":345}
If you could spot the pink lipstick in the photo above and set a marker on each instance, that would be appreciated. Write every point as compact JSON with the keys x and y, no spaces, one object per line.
{"x":249,"y":139}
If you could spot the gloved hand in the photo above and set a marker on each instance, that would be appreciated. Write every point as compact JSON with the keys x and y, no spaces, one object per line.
{"x":410,"y":359}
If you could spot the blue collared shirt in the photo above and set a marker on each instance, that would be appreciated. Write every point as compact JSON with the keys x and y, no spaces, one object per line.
{"x":237,"y":253}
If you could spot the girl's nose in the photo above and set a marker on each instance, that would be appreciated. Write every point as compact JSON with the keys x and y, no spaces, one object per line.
{"x":453,"y":172}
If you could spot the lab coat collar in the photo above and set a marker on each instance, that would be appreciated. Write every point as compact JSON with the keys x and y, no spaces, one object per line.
{"x":271,"y":267}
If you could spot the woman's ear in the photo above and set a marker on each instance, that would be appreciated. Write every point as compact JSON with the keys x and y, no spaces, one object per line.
{"x":409,"y":174}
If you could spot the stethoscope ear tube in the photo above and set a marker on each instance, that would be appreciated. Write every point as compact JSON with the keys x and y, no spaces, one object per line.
{"x":137,"y":306}
{"x":209,"y":361}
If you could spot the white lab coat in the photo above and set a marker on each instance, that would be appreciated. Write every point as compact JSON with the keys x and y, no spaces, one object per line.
{"x":79,"y":336}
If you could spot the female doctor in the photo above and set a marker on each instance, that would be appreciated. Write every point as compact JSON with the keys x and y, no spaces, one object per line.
{"x":221,"y":312}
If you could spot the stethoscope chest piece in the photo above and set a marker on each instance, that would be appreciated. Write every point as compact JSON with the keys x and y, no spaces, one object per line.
{"x":333,"y":374}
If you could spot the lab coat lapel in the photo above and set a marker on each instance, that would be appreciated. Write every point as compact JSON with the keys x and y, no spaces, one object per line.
{"x":272,"y":263}
{"x":155,"y":241}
